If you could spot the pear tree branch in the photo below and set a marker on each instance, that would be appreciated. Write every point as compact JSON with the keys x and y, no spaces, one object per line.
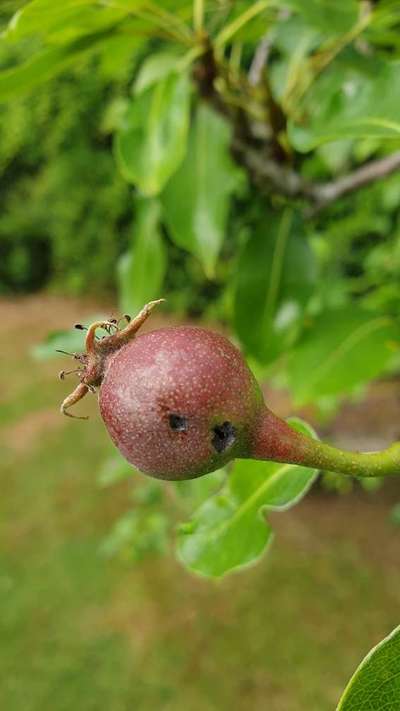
{"x":266,"y":172}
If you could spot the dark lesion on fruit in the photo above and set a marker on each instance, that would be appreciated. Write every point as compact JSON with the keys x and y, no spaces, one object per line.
{"x":178,"y":423}
{"x":223,"y":436}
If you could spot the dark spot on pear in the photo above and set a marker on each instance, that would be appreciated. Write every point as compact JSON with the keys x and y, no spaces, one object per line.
{"x":224,"y":436}
{"x":178,"y":423}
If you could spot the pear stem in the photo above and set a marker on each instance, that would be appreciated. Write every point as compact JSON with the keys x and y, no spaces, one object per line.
{"x":275,"y":440}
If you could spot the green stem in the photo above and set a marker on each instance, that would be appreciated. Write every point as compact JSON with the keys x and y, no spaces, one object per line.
{"x":198,"y":16}
{"x":230,"y":30}
{"x":362,"y":464}
{"x":275,"y":440}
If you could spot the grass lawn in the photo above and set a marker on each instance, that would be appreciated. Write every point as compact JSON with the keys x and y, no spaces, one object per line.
{"x":81,"y":631}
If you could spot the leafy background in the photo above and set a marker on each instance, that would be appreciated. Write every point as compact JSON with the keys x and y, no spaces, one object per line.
{"x":190,"y":151}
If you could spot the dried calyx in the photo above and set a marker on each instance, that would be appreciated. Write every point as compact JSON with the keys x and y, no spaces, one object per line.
{"x":180,"y":402}
{"x":93,"y":361}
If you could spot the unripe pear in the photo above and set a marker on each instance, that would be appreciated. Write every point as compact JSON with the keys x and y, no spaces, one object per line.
{"x":181,"y":402}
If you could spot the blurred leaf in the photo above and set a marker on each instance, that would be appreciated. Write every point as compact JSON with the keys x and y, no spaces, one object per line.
{"x":62,"y":21}
{"x":383,"y":30}
{"x":294,"y":40}
{"x":116,"y":55}
{"x":46,"y":64}
{"x":376,"y":683}
{"x":156,"y":67}
{"x":229,"y":531}
{"x":143,"y":529}
{"x":141,"y":271}
{"x":243,"y":13}
{"x":149,"y":493}
{"x":71,"y":341}
{"x":197,"y":198}
{"x":395,"y":515}
{"x":276,"y":273}
{"x":353,"y":100}
{"x":152,"y":140}
{"x":337,"y":154}
{"x":337,"y":483}
{"x":340,"y":349}
{"x":371,"y":484}
{"x":137,"y":534}
{"x":113,"y":470}
{"x":38,"y":16}
{"x":325,"y":15}
{"x":193,"y":492}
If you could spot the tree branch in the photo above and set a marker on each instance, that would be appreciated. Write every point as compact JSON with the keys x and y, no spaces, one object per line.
{"x":263,"y":169}
{"x":265,"y":160}
{"x":325,"y":193}
{"x":259,"y":60}
{"x":288,"y":182}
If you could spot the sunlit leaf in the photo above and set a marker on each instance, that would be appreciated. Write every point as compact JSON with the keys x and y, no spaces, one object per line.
{"x":141,"y":271}
{"x":275,"y":276}
{"x":341,"y":349}
{"x":196,"y":199}
{"x":62,"y":21}
{"x":152,"y":140}
{"x":229,"y":530}
{"x":156,"y":67}
{"x":376,"y":683}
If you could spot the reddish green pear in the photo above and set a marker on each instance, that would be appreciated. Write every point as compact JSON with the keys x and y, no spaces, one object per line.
{"x":181,"y":402}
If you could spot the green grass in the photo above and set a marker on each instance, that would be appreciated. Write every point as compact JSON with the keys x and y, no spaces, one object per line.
{"x":80,"y":631}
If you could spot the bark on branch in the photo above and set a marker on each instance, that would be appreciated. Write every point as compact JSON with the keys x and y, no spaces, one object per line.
{"x":325,"y":193}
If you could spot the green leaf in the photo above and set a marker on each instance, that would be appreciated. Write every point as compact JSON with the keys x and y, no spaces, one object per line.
{"x":141,"y":271}
{"x":340,"y":350}
{"x":136,"y":535}
{"x":327,"y":15}
{"x":152,"y":140}
{"x":71,"y":341}
{"x":286,"y":71}
{"x":61,"y":21}
{"x":47,"y":64}
{"x":353,"y":99}
{"x":193,"y":492}
{"x":196,"y":200}
{"x":156,"y":67}
{"x":276,"y":273}
{"x":37,"y":16}
{"x":229,"y":530}
{"x":376,"y":683}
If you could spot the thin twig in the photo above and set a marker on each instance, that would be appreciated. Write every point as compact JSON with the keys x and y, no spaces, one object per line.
{"x":368,"y":173}
{"x":259,"y":60}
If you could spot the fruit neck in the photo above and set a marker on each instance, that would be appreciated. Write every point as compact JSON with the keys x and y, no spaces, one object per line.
{"x":275,"y":440}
